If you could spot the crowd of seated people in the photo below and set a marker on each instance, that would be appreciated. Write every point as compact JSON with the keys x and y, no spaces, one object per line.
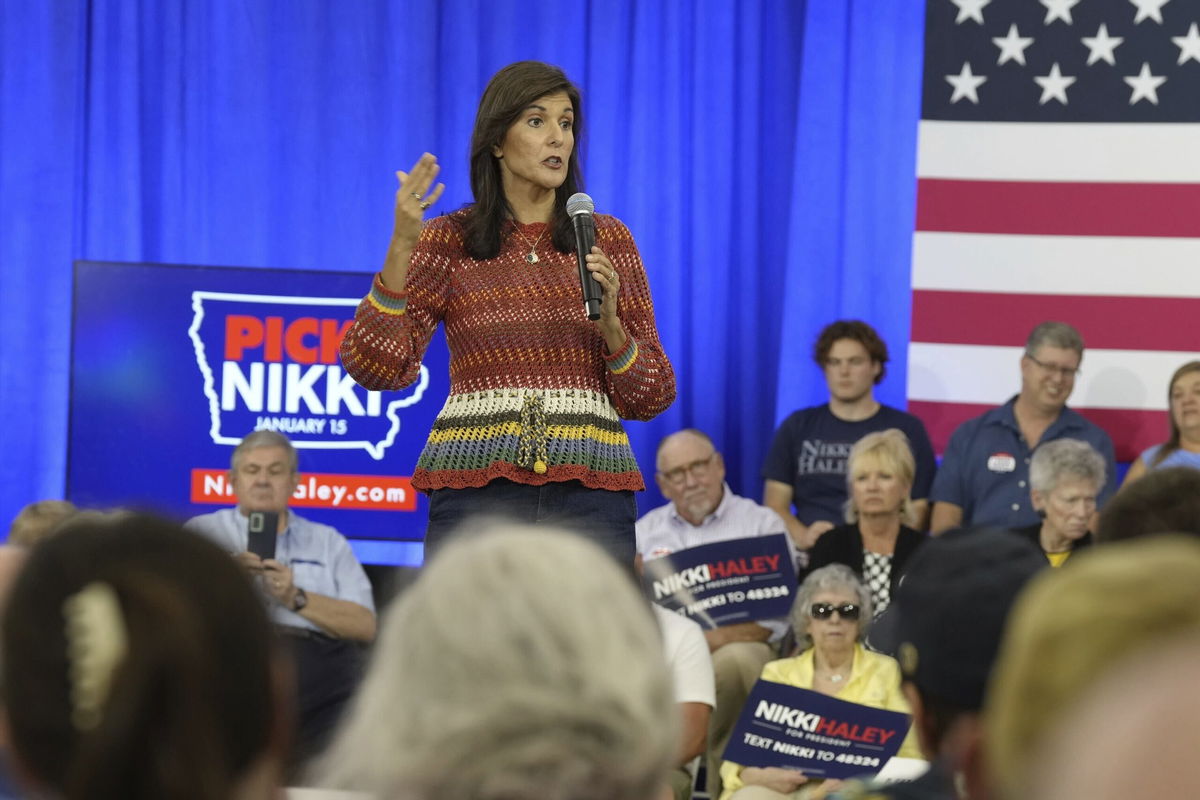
{"x":145,"y":659}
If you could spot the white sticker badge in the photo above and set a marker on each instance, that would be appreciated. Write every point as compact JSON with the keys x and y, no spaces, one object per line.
{"x":1001,"y":462}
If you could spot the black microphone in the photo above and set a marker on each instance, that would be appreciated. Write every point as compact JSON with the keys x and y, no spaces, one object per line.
{"x":580,"y":208}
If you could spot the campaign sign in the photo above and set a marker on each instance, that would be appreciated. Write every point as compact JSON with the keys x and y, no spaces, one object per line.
{"x":723,"y":583}
{"x":172,"y":365}
{"x":823,"y":737}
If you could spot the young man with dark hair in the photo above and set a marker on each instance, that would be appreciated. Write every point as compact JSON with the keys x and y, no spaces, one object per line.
{"x":805,"y":471}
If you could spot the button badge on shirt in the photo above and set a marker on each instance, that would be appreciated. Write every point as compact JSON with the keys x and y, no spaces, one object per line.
{"x":1001,"y":462}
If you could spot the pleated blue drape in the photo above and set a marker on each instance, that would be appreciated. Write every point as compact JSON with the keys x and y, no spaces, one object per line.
{"x":761,"y":152}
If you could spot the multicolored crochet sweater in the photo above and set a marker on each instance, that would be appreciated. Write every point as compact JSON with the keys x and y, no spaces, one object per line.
{"x":534,"y":396}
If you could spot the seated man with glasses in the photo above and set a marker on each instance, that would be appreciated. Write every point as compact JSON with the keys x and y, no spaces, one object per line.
{"x":984,"y":476}
{"x":691,"y":474}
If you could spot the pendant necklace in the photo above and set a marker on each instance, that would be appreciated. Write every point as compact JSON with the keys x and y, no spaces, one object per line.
{"x":531,"y":257}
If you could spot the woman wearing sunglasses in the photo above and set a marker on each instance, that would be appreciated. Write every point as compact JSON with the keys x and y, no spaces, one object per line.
{"x":829,"y":618}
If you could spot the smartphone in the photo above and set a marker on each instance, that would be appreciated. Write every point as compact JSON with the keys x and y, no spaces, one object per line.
{"x":263,"y":528}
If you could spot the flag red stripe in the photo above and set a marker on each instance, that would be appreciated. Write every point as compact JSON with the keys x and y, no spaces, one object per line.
{"x":1106,"y":322}
{"x":1132,"y":430}
{"x":1066,"y":209}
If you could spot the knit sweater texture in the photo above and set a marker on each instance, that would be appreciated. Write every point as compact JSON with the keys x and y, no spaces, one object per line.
{"x":534,"y":395}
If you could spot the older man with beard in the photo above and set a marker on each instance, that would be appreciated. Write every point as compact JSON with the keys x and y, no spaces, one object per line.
{"x":691,"y":474}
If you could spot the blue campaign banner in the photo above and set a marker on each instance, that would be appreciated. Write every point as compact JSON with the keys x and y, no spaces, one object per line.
{"x":172,"y":365}
{"x":723,"y":583}
{"x":822,"y":736}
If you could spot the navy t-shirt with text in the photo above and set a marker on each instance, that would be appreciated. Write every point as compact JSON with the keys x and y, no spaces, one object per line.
{"x":810,"y":450}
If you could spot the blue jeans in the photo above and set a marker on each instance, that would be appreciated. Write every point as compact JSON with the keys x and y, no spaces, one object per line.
{"x":603,"y":516}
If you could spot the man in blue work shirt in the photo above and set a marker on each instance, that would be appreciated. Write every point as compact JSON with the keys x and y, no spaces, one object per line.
{"x":984,"y":475}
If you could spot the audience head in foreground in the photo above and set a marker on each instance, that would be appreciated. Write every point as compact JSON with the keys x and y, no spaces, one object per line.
{"x":949,"y":615}
{"x":1164,"y":501}
{"x":522,"y":663}
{"x":1123,"y":719}
{"x":137,"y":665}
{"x":1070,"y":626}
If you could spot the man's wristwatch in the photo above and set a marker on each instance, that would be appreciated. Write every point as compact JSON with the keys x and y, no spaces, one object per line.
{"x":300,"y":600}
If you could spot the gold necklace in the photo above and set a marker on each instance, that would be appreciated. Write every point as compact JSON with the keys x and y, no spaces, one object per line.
{"x":531,"y":257}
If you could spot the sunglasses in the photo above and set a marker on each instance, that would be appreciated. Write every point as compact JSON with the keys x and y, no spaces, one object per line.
{"x":848,"y":611}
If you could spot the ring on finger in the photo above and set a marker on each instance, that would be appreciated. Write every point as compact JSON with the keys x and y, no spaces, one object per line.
{"x":425,"y":205}
{"x":416,"y":196}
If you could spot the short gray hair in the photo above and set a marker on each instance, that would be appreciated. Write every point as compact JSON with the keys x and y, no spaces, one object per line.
{"x":1063,"y":458}
{"x":523,"y":663}
{"x":265,"y":438}
{"x":1054,"y":334}
{"x":830,"y":578}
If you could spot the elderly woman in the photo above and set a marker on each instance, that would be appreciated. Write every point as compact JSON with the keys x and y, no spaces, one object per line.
{"x":1182,"y":448}
{"x":876,"y":542}
{"x":830,"y":615}
{"x":1065,"y":477}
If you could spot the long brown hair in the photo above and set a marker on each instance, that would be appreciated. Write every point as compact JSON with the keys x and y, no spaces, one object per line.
{"x":1173,"y":441}
{"x":508,"y":94}
{"x":192,"y":704}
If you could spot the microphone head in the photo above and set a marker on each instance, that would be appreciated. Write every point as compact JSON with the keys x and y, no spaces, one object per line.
{"x":580,"y":203}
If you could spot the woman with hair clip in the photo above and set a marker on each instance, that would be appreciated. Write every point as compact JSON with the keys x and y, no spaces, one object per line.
{"x":1182,"y":448}
{"x":138,"y":665}
{"x":532,"y":427}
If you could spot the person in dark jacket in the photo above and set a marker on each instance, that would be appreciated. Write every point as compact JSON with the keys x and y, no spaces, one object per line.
{"x":877,"y":541}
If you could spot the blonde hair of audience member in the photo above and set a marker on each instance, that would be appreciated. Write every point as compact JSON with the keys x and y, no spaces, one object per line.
{"x":886,"y":452}
{"x":138,"y":665}
{"x":1183,"y":419}
{"x":521,"y":664}
{"x":1068,"y":626}
{"x":1122,"y":719}
{"x":38,"y":520}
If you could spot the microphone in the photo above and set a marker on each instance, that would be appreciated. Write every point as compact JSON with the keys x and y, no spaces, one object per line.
{"x":580,"y":208}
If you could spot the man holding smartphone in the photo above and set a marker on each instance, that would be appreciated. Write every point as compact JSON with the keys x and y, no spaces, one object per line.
{"x":317,"y":592}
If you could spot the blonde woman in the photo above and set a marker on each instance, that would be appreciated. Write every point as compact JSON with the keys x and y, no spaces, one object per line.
{"x":877,"y":540}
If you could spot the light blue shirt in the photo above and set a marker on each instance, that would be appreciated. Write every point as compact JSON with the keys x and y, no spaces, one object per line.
{"x":663,"y":531}
{"x":1179,"y":458}
{"x":320,"y":559}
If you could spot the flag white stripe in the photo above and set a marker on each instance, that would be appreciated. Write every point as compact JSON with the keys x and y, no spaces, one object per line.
{"x":959,"y":373}
{"x":1064,"y":152}
{"x":1126,"y":266}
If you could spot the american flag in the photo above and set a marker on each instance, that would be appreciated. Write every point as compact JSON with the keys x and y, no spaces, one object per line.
{"x":1058,"y":178}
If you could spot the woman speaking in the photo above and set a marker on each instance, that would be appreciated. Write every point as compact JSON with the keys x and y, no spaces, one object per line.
{"x":532,"y":427}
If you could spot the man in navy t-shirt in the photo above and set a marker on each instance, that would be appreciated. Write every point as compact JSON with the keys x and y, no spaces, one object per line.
{"x":806,"y":467}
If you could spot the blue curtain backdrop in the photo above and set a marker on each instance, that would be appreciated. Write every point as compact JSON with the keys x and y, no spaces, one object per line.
{"x":761,"y":152}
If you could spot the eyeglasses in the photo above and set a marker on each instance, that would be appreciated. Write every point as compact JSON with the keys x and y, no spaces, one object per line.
{"x":697,"y":469}
{"x":1066,"y":372}
{"x":848,"y":611}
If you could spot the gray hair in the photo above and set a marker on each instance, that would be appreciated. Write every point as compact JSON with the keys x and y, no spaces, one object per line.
{"x":1063,"y":458}
{"x":523,"y":663}
{"x":1054,"y":334}
{"x":829,"y":578}
{"x":265,"y":438}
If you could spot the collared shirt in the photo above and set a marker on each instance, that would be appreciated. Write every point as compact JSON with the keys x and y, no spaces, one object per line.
{"x":320,"y":559}
{"x":663,"y":531}
{"x":985,"y":470}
